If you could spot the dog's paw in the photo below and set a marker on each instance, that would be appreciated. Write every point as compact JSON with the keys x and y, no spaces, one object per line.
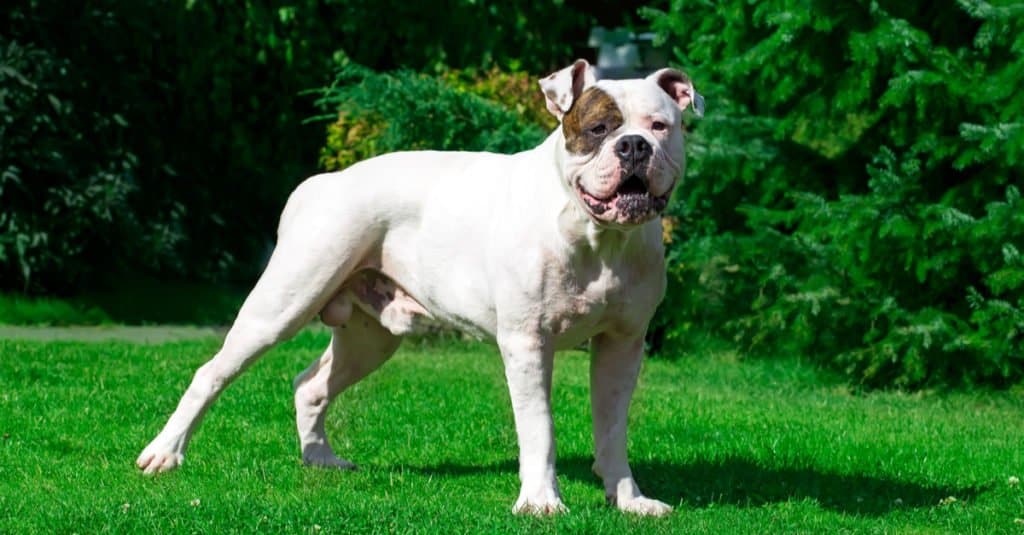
{"x":162,"y":454}
{"x":326,"y":459}
{"x":542,"y":504}
{"x":152,"y":462}
{"x":641,"y":505}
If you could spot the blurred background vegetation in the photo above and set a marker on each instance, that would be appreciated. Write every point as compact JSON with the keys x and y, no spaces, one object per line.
{"x":853,"y":194}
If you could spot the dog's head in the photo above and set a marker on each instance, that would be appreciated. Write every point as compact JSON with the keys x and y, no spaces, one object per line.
{"x":623,"y":139}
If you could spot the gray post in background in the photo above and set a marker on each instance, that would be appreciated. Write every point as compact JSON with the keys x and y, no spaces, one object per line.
{"x":622,"y":53}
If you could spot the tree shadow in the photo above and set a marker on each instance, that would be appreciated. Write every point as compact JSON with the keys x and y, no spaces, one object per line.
{"x":740,"y":482}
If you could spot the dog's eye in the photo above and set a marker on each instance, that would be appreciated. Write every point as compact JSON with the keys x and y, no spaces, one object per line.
{"x":658,"y":126}
{"x":599,"y":130}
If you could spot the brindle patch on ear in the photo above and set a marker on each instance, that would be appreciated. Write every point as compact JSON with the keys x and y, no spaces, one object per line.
{"x":593,"y":108}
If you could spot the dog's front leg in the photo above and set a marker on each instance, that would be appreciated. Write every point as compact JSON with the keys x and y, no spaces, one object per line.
{"x":528,"y":362}
{"x":614,"y":366}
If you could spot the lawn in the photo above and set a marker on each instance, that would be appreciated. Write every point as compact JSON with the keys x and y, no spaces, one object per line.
{"x":739,"y":446}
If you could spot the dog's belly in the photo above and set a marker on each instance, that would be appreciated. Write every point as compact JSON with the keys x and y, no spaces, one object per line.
{"x":570,"y":321}
{"x":409,"y":292}
{"x":461,"y":293}
{"x":453,"y":294}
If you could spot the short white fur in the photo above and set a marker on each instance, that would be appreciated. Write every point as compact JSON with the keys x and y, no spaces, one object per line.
{"x":498,"y":245}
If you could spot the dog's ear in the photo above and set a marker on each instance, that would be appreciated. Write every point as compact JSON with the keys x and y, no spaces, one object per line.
{"x":679,"y":89}
{"x":562,"y":88}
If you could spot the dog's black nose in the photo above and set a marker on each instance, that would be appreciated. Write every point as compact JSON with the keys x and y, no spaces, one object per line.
{"x":633,"y":148}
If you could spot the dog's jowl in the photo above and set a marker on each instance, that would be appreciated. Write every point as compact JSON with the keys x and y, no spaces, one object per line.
{"x":538,"y":251}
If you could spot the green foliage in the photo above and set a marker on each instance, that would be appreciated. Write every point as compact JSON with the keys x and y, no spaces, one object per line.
{"x":516,"y":91}
{"x":133,"y":301}
{"x":137,"y":300}
{"x":130,"y":123}
{"x":854,"y":190}
{"x":432,"y":35}
{"x":20,"y":310}
{"x":380,"y":113}
{"x":65,"y":179}
{"x":127,"y":124}
{"x":351,"y":138}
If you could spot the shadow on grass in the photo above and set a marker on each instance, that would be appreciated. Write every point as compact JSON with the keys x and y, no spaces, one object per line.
{"x":737,"y":481}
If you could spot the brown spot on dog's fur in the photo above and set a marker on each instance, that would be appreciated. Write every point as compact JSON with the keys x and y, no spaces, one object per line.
{"x":593,"y":108}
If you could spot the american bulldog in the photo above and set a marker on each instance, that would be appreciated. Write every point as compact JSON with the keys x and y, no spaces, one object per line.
{"x":538,"y":251}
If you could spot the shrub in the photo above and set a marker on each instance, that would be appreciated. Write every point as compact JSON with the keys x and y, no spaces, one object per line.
{"x":353,"y":137}
{"x":379,"y":113}
{"x":127,"y":124}
{"x":21,"y":310}
{"x":515,"y":91}
{"x":65,"y":187}
{"x":853,"y":190}
{"x":167,"y":109}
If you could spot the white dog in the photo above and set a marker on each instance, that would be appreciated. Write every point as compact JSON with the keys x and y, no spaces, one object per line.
{"x":539,"y":251}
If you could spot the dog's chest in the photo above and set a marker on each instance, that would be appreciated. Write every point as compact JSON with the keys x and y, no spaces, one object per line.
{"x":582,"y":303}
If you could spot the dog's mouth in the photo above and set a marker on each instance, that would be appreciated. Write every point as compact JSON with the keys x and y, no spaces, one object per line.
{"x":631,"y":203}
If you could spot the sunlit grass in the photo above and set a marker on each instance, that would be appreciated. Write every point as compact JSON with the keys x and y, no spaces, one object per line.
{"x":737,"y":446}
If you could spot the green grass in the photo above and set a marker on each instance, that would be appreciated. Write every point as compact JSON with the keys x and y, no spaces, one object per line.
{"x":737,"y":446}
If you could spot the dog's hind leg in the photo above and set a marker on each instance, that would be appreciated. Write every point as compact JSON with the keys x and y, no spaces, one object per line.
{"x":300,"y":279}
{"x":359,"y":346}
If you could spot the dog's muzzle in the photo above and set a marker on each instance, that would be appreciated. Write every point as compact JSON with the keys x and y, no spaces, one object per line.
{"x":632,"y":202}
{"x":633,"y":151}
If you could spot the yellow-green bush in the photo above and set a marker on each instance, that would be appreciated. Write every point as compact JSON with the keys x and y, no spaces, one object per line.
{"x":516,"y":91}
{"x":379,"y":113}
{"x":350,"y":139}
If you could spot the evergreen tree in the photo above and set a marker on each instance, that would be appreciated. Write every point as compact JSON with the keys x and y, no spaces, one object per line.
{"x":854,"y":191}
